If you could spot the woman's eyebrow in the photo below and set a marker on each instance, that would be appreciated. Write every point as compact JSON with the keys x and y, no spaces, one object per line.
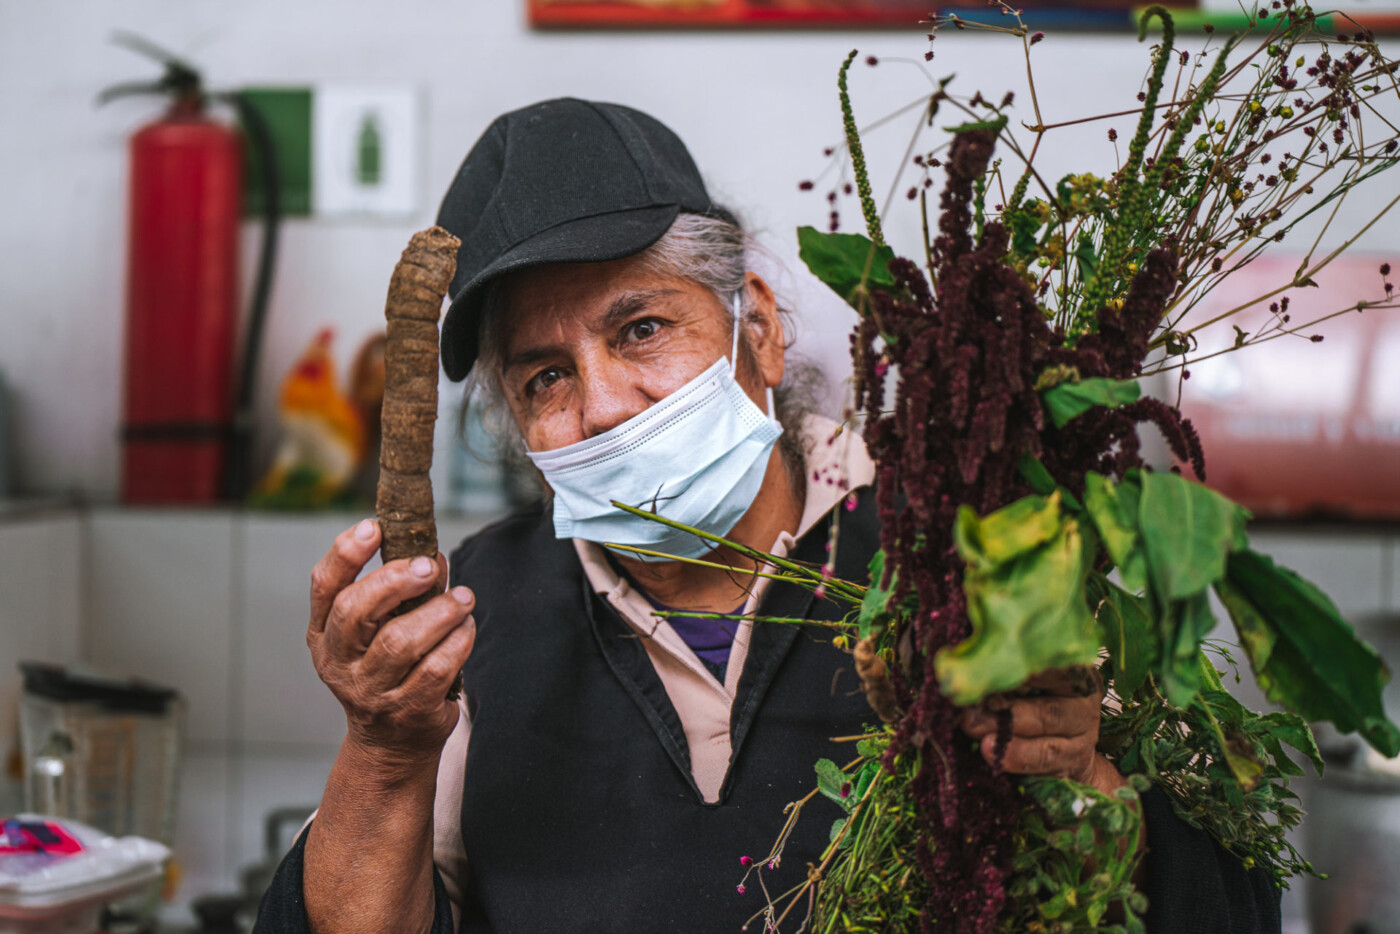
{"x":628,"y":304}
{"x":527,"y":357}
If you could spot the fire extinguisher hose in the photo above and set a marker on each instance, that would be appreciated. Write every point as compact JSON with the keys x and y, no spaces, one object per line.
{"x":238,"y":470}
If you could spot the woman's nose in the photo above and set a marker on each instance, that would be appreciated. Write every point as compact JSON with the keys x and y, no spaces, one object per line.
{"x":609,"y":397}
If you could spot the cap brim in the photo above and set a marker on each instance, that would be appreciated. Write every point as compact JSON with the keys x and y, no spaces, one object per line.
{"x":594,"y":239}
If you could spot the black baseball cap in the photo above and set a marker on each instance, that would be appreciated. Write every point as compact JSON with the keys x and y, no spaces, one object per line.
{"x":561,"y":181}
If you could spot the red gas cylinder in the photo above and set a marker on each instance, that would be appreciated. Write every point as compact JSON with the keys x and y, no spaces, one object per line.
{"x":182,"y":305}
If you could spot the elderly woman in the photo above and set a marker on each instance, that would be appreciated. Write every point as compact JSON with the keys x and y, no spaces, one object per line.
{"x":609,"y":765}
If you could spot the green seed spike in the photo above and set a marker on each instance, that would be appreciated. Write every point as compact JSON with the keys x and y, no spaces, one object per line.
{"x":867,"y":200}
{"x":1203,"y":94}
{"x":1118,"y":232}
{"x":1018,"y":194}
{"x":979,"y":205}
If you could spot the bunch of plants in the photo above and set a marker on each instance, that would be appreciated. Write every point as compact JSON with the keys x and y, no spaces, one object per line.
{"x":998,"y":386}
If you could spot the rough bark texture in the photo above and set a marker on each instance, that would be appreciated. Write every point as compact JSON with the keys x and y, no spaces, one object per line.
{"x":875,"y":681}
{"x":405,"y":503}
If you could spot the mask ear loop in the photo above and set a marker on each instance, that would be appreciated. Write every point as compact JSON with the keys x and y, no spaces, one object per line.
{"x":734,"y":352}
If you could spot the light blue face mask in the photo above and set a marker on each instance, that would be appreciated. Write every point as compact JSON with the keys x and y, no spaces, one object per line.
{"x":698,"y":456}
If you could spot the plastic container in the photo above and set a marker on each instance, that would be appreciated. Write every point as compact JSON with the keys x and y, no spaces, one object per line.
{"x":56,"y":875}
{"x":102,"y":750}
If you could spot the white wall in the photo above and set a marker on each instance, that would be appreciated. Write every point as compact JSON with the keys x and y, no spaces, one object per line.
{"x":756,"y":108}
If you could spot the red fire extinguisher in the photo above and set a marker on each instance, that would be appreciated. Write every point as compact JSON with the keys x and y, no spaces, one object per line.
{"x":184,"y":432}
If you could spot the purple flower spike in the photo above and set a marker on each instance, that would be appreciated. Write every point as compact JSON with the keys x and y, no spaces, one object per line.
{"x":745,"y":860}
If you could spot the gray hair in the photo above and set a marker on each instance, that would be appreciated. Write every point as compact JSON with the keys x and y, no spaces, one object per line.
{"x":711,"y":250}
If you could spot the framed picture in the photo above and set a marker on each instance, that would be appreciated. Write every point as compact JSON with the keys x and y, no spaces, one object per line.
{"x":728,"y":12}
{"x":1294,"y":428}
{"x":1377,"y":15}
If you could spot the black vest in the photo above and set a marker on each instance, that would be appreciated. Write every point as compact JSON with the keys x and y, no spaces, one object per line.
{"x":579,"y":811}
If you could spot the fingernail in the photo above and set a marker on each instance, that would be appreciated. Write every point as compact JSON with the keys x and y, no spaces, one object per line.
{"x":462,"y":595}
{"x":365,"y":530}
{"x":421,"y":566}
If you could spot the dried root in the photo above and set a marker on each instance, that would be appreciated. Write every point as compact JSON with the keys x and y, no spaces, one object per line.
{"x":405,"y":501}
{"x":875,"y":680}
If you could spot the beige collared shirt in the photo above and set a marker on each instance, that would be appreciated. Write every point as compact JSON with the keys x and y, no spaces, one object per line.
{"x":835,"y":465}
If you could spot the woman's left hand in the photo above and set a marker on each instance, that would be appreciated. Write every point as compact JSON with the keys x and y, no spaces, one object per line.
{"x":1054,"y":732}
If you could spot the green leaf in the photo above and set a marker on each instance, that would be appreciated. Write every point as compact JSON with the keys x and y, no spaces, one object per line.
{"x":1036,"y":475}
{"x":1182,"y":628}
{"x":1068,"y":401}
{"x":836,"y":829}
{"x":1235,"y":749}
{"x":1210,"y":679}
{"x":1114,"y":508}
{"x":1086,"y":256}
{"x":1010,"y":531}
{"x":1055,"y":906}
{"x":867,"y":774}
{"x":840,"y":260}
{"x":995,"y":124}
{"x":1024,"y":225}
{"x":1126,"y":627}
{"x":1294,"y":730}
{"x":1040,"y":480}
{"x":872,"y":606}
{"x":871,"y":746}
{"x":1187,"y":533}
{"x":830,"y":778}
{"x":1026,"y":567}
{"x":1305,"y":656}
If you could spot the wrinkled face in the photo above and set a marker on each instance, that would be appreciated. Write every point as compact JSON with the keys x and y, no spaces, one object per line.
{"x":586,"y":346}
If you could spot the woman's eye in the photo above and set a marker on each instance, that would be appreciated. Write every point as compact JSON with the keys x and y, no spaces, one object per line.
{"x":641,"y":330}
{"x":544,"y":379}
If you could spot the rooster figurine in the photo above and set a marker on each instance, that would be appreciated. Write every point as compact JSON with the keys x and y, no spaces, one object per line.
{"x":323,"y":436}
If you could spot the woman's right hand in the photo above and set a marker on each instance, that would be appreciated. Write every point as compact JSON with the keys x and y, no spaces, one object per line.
{"x":391,"y":676}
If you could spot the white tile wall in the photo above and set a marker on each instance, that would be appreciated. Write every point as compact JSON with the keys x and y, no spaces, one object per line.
{"x":267,"y":781}
{"x":281,"y":698}
{"x":162,"y":605}
{"x":202,"y":845}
